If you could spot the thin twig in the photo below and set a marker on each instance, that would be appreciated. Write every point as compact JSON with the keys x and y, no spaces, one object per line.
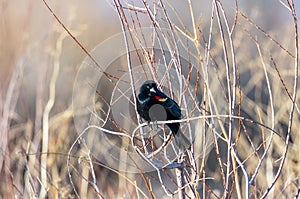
{"x":296,"y":70}
{"x":109,"y":76}
{"x":48,"y":108}
{"x":266,"y":34}
{"x":230,"y":99}
{"x":254,"y":175}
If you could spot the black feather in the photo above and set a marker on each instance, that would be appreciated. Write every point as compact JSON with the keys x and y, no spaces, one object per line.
{"x":148,"y":96}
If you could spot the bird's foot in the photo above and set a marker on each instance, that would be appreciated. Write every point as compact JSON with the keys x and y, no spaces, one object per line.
{"x":153,"y":125}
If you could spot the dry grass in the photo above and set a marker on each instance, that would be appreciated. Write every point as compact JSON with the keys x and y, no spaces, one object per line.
{"x":240,"y":63}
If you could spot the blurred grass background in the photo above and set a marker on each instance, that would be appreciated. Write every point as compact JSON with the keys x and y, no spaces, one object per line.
{"x":29,"y":46}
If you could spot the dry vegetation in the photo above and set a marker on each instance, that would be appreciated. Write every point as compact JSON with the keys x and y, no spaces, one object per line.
{"x":238,"y":75}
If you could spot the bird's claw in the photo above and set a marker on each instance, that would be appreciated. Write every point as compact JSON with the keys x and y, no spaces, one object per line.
{"x":153,"y":125}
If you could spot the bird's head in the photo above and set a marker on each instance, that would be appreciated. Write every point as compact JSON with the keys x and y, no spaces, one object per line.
{"x":149,"y":91}
{"x":149,"y":88}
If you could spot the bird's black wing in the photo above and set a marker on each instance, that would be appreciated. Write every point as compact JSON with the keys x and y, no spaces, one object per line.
{"x":173,"y":108}
{"x":170,"y":105}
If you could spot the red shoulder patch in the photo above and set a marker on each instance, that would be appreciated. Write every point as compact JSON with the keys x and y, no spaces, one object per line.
{"x":158,"y":98}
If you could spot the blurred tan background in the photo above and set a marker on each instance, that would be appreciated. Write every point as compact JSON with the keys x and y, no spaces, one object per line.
{"x":31,"y":42}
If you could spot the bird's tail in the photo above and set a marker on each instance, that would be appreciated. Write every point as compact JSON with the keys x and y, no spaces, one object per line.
{"x":182,"y":142}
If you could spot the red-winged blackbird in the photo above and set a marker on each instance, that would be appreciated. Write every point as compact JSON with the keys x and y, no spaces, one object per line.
{"x":153,"y":105}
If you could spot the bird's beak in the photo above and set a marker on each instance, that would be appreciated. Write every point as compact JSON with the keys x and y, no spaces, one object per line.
{"x":152,"y":90}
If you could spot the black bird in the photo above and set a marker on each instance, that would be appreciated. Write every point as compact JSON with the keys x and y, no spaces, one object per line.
{"x":153,"y":105}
